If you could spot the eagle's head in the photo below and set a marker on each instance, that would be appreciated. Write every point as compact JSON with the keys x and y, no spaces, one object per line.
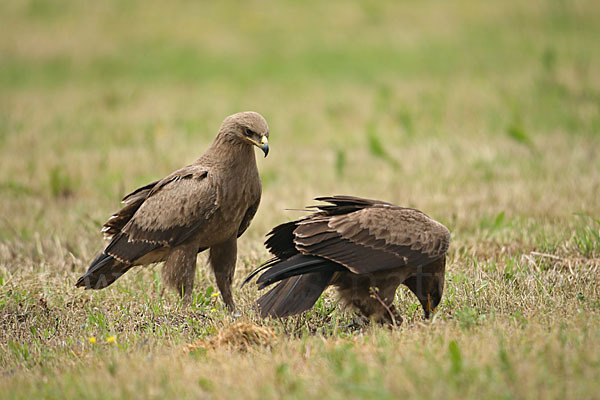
{"x":428,"y":285}
{"x":247,"y":127}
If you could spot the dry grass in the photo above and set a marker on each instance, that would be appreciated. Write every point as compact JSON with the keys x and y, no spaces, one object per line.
{"x":239,"y":335}
{"x":485,"y":116}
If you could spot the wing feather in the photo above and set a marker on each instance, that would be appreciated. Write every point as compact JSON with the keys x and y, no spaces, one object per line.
{"x":373,"y":236}
{"x":132,"y":201}
{"x":164,"y":213}
{"x":175,"y":208}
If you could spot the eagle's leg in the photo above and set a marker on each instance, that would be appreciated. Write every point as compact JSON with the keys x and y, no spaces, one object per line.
{"x":180,"y":269}
{"x":371,"y":296}
{"x":380,"y":310}
{"x":222,"y":260}
{"x":383,"y":295}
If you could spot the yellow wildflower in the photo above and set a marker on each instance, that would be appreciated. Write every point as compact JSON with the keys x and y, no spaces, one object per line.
{"x":214,"y":294}
{"x":111,"y":339}
{"x":213,"y":310}
{"x":92,"y":340}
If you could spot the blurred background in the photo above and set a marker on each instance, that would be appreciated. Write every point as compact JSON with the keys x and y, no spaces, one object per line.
{"x":483,"y":114}
{"x":486,"y":115}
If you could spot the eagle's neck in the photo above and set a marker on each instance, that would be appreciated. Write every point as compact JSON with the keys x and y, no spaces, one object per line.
{"x":231,"y":151}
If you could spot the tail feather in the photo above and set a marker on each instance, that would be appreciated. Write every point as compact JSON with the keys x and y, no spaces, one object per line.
{"x":301,"y":279}
{"x":120,"y":254}
{"x":294,"y":295}
{"x":266,"y":265}
{"x":103,"y":271}
{"x":296,"y":265}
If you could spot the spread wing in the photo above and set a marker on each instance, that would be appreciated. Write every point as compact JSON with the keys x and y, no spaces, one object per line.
{"x":166,"y":214}
{"x":373,"y":238}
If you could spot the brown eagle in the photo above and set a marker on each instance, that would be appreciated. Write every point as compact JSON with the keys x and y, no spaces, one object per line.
{"x":206,"y":205}
{"x":365,"y":248}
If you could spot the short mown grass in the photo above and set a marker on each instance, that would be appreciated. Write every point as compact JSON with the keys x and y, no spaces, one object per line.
{"x":484,"y":115}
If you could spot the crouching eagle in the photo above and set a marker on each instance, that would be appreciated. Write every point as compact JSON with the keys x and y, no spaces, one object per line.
{"x":365,"y":248}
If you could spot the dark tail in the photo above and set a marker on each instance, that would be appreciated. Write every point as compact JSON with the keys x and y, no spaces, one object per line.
{"x":294,"y":295}
{"x":300,"y":264}
{"x":303,"y":279}
{"x":103,"y":271}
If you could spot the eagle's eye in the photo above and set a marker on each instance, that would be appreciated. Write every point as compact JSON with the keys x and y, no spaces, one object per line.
{"x":249,"y":132}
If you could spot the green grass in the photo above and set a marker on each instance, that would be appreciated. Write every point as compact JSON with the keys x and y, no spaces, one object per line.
{"x":484,"y":115}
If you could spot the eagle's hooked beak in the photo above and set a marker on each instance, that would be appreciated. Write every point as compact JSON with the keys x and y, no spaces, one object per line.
{"x":263,"y":145}
{"x":428,"y":309}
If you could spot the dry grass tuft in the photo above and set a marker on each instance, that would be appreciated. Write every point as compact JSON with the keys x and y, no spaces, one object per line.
{"x":240,"y":336}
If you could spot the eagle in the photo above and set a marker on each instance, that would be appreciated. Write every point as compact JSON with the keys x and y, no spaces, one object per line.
{"x":364,"y":248}
{"x":208,"y":204}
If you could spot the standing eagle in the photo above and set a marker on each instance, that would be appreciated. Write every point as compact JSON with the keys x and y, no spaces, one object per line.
{"x":206,"y":205}
{"x":365,"y":248}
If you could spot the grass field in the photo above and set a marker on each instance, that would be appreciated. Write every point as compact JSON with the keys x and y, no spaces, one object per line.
{"x":485,"y":115}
